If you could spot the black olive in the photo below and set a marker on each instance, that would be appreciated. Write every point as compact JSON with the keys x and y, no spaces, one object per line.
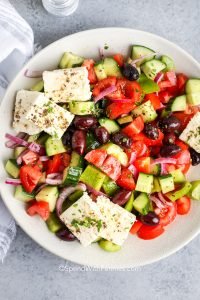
{"x":169,"y":138}
{"x":130,"y":72}
{"x":169,"y":124}
{"x":150,"y":219}
{"x":121,"y":139}
{"x":151,"y":131}
{"x":169,"y":150}
{"x":195,"y":156}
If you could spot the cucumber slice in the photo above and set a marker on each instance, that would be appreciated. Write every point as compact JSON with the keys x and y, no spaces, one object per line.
{"x":193,"y":98}
{"x":152,"y":67}
{"x":179,"y":103}
{"x":144,"y":183}
{"x":93,"y":177}
{"x":142,"y":204}
{"x":42,"y":138}
{"x":38,"y":87}
{"x":100,"y":71}
{"x":82,"y":108}
{"x":71,"y":175}
{"x":178,"y":176}
{"x":12,"y":168}
{"x":168,"y":61}
{"x":148,"y":86}
{"x":70,"y":60}
{"x":54,"y":146}
{"x":124,"y":120}
{"x":195,"y":190}
{"x":173,"y":196}
{"x":18,"y":151}
{"x":22,"y":195}
{"x":146,"y":110}
{"x":139,"y":51}
{"x":166,"y":183}
{"x":156,"y":186}
{"x":192,"y":86}
{"x":110,"y":125}
{"x":91,"y":142}
{"x":75,"y":196}
{"x":117,"y":152}
{"x":76,"y":160}
{"x":109,"y":186}
{"x":129,"y":204}
{"x":111,"y":67}
{"x":53,"y":223}
{"x":48,"y":194}
{"x":33,"y":138}
{"x":109,"y":246}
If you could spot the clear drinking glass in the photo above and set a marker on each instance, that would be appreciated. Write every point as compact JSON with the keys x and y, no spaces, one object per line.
{"x":60,"y":7}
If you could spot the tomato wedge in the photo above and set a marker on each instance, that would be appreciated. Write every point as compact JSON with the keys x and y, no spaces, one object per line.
{"x":181,"y":81}
{"x":136,"y":226}
{"x":150,"y":232}
{"x":54,"y":164}
{"x":89,"y":64}
{"x":183,"y":205}
{"x":96,"y":157}
{"x":126,"y":180}
{"x":155,"y":100}
{"x":39,"y":207}
{"x":133,"y":91}
{"x":66,"y":159}
{"x":135,"y":127}
{"x":29,"y":177}
{"x":115,"y":110}
{"x":103,"y":84}
{"x":143,"y":164}
{"x":112,"y":167}
{"x":168,"y":214}
{"x":119,"y":59}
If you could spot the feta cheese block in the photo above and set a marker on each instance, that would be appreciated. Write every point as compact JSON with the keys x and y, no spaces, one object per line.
{"x":23,"y":102}
{"x":49,"y":116}
{"x":84,"y":219}
{"x":191,"y":134}
{"x":67,"y":85}
{"x":117,"y":220}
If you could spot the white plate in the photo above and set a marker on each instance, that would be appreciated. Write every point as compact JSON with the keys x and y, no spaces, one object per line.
{"x":135,"y":251}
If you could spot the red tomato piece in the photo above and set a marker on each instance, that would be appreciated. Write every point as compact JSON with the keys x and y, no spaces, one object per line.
{"x":165,"y":96}
{"x":136,"y":226}
{"x":181,"y":144}
{"x":115,"y":110}
{"x":111,"y":167}
{"x":183,"y":205}
{"x":103,"y":84}
{"x":126,"y":180}
{"x":30,"y":157}
{"x":155,"y":101}
{"x":96,"y":157}
{"x":29,"y":177}
{"x":150,"y":232}
{"x":181,"y":81}
{"x":143,"y":164}
{"x":54,"y":164}
{"x":135,"y":127}
{"x":120,"y":91}
{"x":119,"y":59}
{"x":133,"y":91}
{"x":66,"y":159}
{"x":149,"y":142}
{"x":39,"y":207}
{"x":168,"y":214}
{"x":89,"y":64}
{"x":184,"y":167}
{"x":183,"y":157}
{"x":184,"y":118}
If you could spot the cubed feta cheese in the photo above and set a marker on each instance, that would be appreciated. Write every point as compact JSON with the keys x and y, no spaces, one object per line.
{"x":118,"y":221}
{"x":49,"y":116}
{"x":191,"y":134}
{"x":67,"y":84}
{"x":23,"y":102}
{"x":83,"y":218}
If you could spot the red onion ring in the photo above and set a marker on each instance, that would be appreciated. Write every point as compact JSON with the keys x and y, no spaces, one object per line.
{"x":159,"y":77}
{"x":163,"y":200}
{"x":54,"y":176}
{"x":95,"y":192}
{"x":167,"y":160}
{"x":44,"y":158}
{"x":13,"y":181}
{"x":105,"y":92}
{"x":134,"y":171}
{"x":157,"y":201}
{"x":33,"y":73}
{"x":53,"y":181}
{"x":16,"y":140}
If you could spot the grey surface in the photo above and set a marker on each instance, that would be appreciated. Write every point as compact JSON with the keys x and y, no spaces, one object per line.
{"x":29,"y":272}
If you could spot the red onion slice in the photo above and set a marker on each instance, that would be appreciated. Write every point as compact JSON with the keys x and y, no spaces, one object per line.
{"x":44,"y":158}
{"x":54,"y":181}
{"x":167,"y":160}
{"x":143,"y":57}
{"x":37,"y":148}
{"x":132,"y":158}
{"x":19,"y":158}
{"x":157,"y":201}
{"x":163,"y":200}
{"x":12,"y":144}
{"x":163,"y":169}
{"x":16,"y":140}
{"x":13,"y":181}
{"x":105,"y":92}
{"x":54,"y":176}
{"x":159,"y":77}
{"x":171,"y":76}
{"x":33,"y":73}
{"x":134,"y":171}
{"x":40,"y":188}
{"x":95,"y":192}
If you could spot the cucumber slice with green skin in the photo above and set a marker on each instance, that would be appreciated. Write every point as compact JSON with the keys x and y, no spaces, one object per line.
{"x":75,"y":196}
{"x":76,"y":160}
{"x":142,"y":204}
{"x":146,"y":110}
{"x":148,"y":86}
{"x":192,"y":85}
{"x":109,"y":246}
{"x":124,"y":120}
{"x":18,"y":151}
{"x":117,"y":152}
{"x":100,"y":71}
{"x":22,"y":195}
{"x":152,"y":67}
{"x":178,"y":104}
{"x":110,"y":187}
{"x":168,"y":61}
{"x":71,"y":175}
{"x":53,"y":223}
{"x":166,"y":183}
{"x":111,"y":67}
{"x":12,"y":168}
{"x":144,"y":183}
{"x":193,"y":98}
{"x":173,"y":196}
{"x":93,"y":177}
{"x":178,"y":176}
{"x":54,"y":146}
{"x":110,"y":125}
{"x":82,"y":108}
{"x":195,"y":190}
{"x":91,"y":142}
{"x":38,"y":87}
{"x":70,"y":60}
{"x":33,"y":138}
{"x":129,"y":204}
{"x":156,"y":169}
{"x":156,"y":186}
{"x":139,"y":51}
{"x":48,"y":194}
{"x":42,"y":138}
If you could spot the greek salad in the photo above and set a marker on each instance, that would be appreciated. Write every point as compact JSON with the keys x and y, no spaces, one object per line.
{"x":103,"y":147}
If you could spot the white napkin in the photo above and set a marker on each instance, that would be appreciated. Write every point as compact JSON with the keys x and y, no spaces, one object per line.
{"x":16,"y":40}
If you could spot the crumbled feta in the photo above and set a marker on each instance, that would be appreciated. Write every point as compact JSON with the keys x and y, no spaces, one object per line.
{"x":49,"y":116}
{"x":191,"y":134}
{"x":118,"y":221}
{"x":24,"y":99}
{"x":67,"y":84}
